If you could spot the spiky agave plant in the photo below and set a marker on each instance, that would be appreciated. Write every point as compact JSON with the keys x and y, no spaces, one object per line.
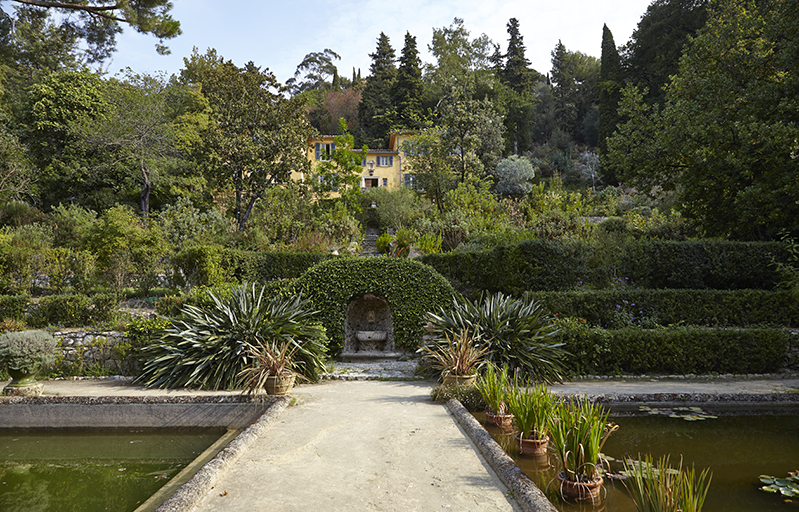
{"x":457,"y":354}
{"x":209,"y":346}
{"x":515,"y":331}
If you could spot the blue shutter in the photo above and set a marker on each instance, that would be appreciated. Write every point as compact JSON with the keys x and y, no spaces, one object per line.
{"x":391,"y":161}
{"x":316,"y":147}
{"x":332,"y":146}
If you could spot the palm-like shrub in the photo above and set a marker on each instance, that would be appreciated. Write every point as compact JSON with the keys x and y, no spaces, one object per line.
{"x":457,"y":354}
{"x":210,"y":346}
{"x":515,"y":331}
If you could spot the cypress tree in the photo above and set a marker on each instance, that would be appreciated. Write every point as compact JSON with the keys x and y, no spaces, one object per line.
{"x":610,"y":80}
{"x":406,"y":93}
{"x":517,"y":73}
{"x":376,"y":96}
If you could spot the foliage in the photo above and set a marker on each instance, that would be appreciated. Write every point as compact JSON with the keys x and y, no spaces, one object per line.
{"x":428,"y":243}
{"x":457,"y":354}
{"x":209,"y":346}
{"x":73,"y":310}
{"x":610,"y":83}
{"x":531,"y":408}
{"x":316,"y":68}
{"x":394,"y":209}
{"x":672,"y":351}
{"x":577,"y":431}
{"x":407,"y":88}
{"x":269,"y":360}
{"x":432,"y":164}
{"x":656,"y":486}
{"x":725,"y":138}
{"x":494,"y":387}
{"x":340,"y":171}
{"x":789,"y":270}
{"x":27,"y":351}
{"x":185,"y":224}
{"x":514,"y":176}
{"x":376,"y":96}
{"x":469,"y":396}
{"x":635,"y":307}
{"x":410,"y":288}
{"x":786,"y":486}
{"x":514,"y":331}
{"x":14,"y":306}
{"x":383,"y":243}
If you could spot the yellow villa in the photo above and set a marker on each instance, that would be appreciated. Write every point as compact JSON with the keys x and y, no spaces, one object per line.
{"x":381,"y":168}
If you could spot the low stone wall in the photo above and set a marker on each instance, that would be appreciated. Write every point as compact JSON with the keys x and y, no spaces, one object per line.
{"x":82,"y":350}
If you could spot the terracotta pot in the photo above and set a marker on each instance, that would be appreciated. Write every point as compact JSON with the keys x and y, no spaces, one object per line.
{"x":532,"y":447}
{"x":580,"y":491}
{"x":459,"y":380}
{"x":500,"y":420}
{"x":279,"y":384}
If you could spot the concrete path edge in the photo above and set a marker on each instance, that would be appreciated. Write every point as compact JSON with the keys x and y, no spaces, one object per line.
{"x":529,"y":497}
{"x":199,"y":486}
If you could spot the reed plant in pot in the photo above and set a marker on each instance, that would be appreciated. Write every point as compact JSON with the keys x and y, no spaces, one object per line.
{"x":656,"y":486}
{"x":531,"y":408}
{"x":494,"y":387}
{"x":272,"y":370}
{"x":578,"y":430}
{"x":458,"y":357}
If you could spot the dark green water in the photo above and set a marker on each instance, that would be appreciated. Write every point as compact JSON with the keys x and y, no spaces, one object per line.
{"x":95,"y":471}
{"x":736,"y":448}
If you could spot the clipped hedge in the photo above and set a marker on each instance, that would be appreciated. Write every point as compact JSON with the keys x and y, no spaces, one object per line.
{"x":514,"y":269}
{"x":543,"y":265}
{"x":410,"y":288}
{"x":211,"y":265}
{"x":14,"y":307}
{"x":73,"y":310}
{"x":674,"y":351}
{"x":615,"y":309}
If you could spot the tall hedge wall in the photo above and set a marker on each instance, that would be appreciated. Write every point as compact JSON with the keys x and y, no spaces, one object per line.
{"x":410,"y":288}
{"x":713,"y":308}
{"x":542,"y":265}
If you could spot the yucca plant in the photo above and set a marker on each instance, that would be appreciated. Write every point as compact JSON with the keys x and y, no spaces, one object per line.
{"x":656,"y":486}
{"x":531,"y":409}
{"x":578,"y":429}
{"x":270,"y":360}
{"x":457,"y":354}
{"x":493,"y":386}
{"x":515,"y":331}
{"x":209,"y":346}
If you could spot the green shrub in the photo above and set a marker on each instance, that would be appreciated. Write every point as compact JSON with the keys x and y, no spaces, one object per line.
{"x":208,"y":347}
{"x":680,"y":350}
{"x":383,"y":243}
{"x":14,"y":306}
{"x":27,"y":351}
{"x":646,"y":308}
{"x":410,"y":288}
{"x":67,"y":310}
{"x":469,"y":396}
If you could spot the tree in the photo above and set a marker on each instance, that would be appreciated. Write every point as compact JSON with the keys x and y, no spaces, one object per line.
{"x":136,"y":132}
{"x":610,"y":83}
{"x":317,"y":68}
{"x":456,"y":55}
{"x":653,"y":53}
{"x":96,"y":22}
{"x":341,"y":170}
{"x":519,"y":101}
{"x":517,"y":73}
{"x":514,"y":176}
{"x":431,"y":163}
{"x":725,"y":139}
{"x":376,"y":96}
{"x":573,"y":76}
{"x":407,"y":89}
{"x":259,"y":136}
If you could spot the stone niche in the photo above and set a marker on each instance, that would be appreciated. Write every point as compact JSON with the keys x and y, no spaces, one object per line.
{"x":369,"y":332}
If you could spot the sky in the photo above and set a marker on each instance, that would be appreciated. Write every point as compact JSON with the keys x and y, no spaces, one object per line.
{"x":278,"y":35}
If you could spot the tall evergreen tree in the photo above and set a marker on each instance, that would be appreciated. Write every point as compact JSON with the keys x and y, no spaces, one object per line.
{"x":610,"y":81}
{"x":407,"y":90}
{"x":519,"y":79}
{"x":376,"y":97}
{"x":517,"y":73}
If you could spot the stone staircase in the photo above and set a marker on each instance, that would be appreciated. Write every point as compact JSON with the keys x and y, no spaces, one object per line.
{"x":369,"y":244}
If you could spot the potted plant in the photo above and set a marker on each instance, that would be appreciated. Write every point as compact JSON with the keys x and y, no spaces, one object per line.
{"x":531,"y":409}
{"x":457,"y":357}
{"x":493,"y":386}
{"x":24,"y":353}
{"x":657,"y":486}
{"x":578,"y":430}
{"x":272,"y":370}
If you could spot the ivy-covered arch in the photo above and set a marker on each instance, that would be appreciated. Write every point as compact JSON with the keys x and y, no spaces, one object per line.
{"x":410,"y":288}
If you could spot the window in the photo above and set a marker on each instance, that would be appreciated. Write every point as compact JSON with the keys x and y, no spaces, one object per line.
{"x":408,"y":180}
{"x":323,"y":150}
{"x":385,"y":182}
{"x":385,"y":161}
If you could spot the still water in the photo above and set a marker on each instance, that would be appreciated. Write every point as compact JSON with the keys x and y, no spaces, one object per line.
{"x":737,"y":449}
{"x":94,"y":471}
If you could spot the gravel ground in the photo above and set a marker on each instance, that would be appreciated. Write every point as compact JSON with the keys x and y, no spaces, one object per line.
{"x":386,"y":370}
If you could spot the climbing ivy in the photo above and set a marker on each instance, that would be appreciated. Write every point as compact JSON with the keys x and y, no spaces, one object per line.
{"x":410,"y":288}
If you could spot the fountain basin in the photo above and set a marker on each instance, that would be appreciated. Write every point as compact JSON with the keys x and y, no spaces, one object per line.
{"x":370,"y":335}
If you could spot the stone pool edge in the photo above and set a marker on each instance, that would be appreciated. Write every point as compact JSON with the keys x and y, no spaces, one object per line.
{"x":200,"y":485}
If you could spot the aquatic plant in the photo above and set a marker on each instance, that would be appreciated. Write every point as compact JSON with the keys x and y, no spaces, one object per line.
{"x":578,"y":429}
{"x":656,"y":486}
{"x":786,"y":486}
{"x":531,"y":409}
{"x":494,"y":386}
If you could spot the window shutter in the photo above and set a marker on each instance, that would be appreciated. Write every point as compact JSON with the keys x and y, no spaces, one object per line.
{"x":332,"y":146}
{"x":316,"y":148}
{"x":391,"y":161}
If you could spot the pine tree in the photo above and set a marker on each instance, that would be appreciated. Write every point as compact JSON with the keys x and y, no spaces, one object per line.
{"x":376,"y":97}
{"x":517,"y":74}
{"x":610,"y":81}
{"x":406,"y":93}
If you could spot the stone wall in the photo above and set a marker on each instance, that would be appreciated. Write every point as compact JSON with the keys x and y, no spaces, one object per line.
{"x":96,"y":351}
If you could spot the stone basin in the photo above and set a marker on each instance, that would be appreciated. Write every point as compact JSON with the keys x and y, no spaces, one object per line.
{"x":370,"y":335}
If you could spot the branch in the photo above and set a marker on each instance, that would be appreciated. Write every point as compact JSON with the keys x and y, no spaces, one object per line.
{"x":94,"y":10}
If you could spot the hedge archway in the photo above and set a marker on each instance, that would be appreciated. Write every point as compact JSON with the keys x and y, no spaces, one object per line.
{"x":410,"y":288}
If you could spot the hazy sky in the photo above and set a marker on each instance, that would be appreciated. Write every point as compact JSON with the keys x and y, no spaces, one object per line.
{"x":278,"y":35}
